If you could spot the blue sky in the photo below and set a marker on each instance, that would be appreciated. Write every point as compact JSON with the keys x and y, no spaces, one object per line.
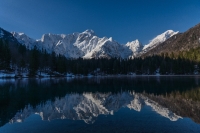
{"x":124,"y":20}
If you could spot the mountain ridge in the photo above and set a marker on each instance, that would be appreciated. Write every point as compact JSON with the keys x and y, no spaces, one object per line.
{"x":179,"y":42}
{"x":88,"y":45}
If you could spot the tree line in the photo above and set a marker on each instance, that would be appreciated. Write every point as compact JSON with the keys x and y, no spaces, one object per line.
{"x":5,"y":55}
{"x":36,"y":61}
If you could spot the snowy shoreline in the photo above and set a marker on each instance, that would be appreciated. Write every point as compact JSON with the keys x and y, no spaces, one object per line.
{"x":13,"y":76}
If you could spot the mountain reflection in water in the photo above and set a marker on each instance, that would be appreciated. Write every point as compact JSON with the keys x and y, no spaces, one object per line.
{"x":86,"y":99}
{"x":88,"y":106}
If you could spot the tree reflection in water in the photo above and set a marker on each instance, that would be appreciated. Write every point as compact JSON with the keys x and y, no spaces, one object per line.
{"x":177,"y":94}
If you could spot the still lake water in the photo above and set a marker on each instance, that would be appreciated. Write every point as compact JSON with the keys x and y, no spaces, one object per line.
{"x":120,"y":104}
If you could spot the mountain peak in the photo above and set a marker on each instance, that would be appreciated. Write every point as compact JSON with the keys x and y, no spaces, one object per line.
{"x":133,"y":43}
{"x":136,"y":40}
{"x":179,"y":42}
{"x":160,"y":39}
{"x":165,"y":35}
{"x":110,"y":39}
{"x":20,"y":33}
{"x":89,"y":31}
{"x":135,"y":46}
{"x":87,"y":44}
{"x":1,"y":33}
{"x":23,"y":39}
{"x":17,"y":34}
{"x":169,"y":33}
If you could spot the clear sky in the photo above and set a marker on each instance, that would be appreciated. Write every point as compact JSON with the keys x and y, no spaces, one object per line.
{"x":124,"y":20}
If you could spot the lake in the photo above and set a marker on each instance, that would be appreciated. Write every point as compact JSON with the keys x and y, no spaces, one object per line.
{"x":101,"y":104}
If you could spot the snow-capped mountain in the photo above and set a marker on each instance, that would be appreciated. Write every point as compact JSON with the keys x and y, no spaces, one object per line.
{"x":1,"y":33}
{"x":159,"y":39}
{"x":88,"y":106}
{"x":138,"y":49}
{"x":60,"y":44}
{"x":75,"y":45}
{"x":5,"y":35}
{"x":135,"y":47}
{"x":88,"y":45}
{"x":24,"y":39}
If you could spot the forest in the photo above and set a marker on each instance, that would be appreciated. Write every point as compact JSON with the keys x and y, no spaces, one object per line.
{"x":18,"y":58}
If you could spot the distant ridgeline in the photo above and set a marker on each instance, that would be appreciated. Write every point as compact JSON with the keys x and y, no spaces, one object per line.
{"x":173,"y":56}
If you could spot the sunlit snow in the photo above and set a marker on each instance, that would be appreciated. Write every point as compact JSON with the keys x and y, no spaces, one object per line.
{"x":88,"y":45}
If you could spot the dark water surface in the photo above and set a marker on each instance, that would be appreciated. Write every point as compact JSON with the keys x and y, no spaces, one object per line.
{"x":120,"y":104}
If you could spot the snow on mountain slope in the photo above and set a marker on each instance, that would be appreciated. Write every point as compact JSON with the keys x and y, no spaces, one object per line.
{"x":135,"y":47}
{"x":1,"y":33}
{"x":106,"y":48}
{"x":61,"y":44}
{"x":88,"y":45}
{"x":24,"y":39}
{"x":86,"y":41}
{"x":88,"y":106}
{"x":75,"y":45}
{"x":159,"y":39}
{"x":5,"y":35}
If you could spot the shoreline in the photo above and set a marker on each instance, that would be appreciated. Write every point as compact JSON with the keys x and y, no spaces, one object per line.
{"x":99,"y":76}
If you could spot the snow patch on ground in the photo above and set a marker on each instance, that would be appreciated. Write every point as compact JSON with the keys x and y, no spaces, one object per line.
{"x":4,"y":74}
